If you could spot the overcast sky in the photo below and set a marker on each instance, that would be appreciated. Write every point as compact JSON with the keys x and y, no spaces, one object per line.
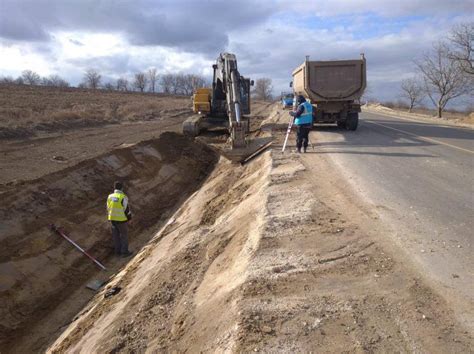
{"x":270,"y":38}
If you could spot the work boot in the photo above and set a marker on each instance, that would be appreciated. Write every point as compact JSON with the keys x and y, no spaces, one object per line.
{"x":298,"y":151}
{"x":304,"y":150}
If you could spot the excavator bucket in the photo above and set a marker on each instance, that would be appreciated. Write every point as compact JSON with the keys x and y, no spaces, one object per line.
{"x":252,"y":148}
{"x":237,"y":135}
{"x":239,"y":148}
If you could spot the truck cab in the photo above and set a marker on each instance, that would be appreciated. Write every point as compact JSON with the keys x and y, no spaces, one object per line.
{"x":287,"y":99}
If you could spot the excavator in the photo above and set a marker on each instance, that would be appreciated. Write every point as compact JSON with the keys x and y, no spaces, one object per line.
{"x":226,"y":105}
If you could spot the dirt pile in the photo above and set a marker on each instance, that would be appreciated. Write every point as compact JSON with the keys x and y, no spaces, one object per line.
{"x":182,"y":291}
{"x":39,"y":270}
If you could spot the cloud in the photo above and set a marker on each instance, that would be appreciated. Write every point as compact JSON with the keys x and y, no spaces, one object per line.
{"x":20,"y":29}
{"x":76,"y":42}
{"x":192,"y":26}
{"x":270,"y":38}
{"x":389,"y":55}
{"x":388,"y":8}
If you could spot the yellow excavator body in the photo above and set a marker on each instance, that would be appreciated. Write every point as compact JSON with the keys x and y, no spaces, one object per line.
{"x":202,"y":101}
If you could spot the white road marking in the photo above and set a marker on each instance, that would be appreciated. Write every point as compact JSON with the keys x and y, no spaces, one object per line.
{"x":423,"y":137}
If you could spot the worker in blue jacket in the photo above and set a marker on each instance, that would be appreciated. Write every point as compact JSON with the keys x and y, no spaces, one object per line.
{"x":303,"y":119}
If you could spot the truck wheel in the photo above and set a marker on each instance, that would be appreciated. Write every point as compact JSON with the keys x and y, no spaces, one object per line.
{"x":341,"y":124}
{"x":352,"y":121}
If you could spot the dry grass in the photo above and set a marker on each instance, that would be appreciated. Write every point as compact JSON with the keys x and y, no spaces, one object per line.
{"x":465,"y":118}
{"x":447,"y":114}
{"x":25,"y":110}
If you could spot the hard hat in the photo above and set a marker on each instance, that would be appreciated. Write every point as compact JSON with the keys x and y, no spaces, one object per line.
{"x":301,"y":99}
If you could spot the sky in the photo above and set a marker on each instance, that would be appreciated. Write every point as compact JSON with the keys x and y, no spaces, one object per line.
{"x":269,"y":37}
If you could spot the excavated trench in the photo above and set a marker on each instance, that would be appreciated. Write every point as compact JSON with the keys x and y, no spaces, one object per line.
{"x":42,"y":277}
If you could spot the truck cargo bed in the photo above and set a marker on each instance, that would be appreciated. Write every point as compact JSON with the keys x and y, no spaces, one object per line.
{"x":335,"y":80}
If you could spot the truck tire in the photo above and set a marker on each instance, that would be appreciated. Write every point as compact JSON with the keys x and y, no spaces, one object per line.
{"x":352,"y":121}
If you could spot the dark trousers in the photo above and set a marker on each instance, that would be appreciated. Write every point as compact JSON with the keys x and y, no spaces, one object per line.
{"x":302,"y":133}
{"x":120,"y":236}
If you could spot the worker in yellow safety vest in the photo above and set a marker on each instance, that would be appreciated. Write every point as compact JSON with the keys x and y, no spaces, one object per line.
{"x":118,"y":213}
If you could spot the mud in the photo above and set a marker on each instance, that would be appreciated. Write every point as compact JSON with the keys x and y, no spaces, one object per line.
{"x":39,"y":270}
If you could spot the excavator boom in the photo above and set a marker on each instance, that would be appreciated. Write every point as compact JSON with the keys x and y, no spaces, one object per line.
{"x":226,"y":104}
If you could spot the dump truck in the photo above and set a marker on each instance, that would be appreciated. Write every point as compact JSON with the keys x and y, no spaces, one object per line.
{"x":334,"y":88}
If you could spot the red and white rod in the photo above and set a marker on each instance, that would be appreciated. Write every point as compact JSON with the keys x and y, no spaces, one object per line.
{"x":57,"y":230}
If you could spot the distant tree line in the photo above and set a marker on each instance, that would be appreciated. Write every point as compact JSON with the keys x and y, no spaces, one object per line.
{"x":445,"y":72}
{"x":146,"y":81}
{"x":32,"y":78}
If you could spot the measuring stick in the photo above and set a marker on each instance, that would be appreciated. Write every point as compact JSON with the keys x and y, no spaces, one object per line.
{"x":59,"y":232}
{"x":287,"y":134}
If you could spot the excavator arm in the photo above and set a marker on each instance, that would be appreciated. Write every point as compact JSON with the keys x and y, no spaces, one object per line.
{"x":225,"y":105}
{"x":228,"y":80}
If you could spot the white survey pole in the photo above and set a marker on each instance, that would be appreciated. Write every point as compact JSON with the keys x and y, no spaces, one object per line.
{"x":290,"y":125}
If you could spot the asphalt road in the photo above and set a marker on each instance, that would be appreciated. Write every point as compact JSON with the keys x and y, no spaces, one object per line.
{"x":420,"y":178}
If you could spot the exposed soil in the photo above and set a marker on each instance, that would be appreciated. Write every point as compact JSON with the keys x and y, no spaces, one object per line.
{"x":280,"y":254}
{"x":62,"y":176}
{"x":39,"y":269}
{"x":276,"y":255}
{"x":28,"y":111}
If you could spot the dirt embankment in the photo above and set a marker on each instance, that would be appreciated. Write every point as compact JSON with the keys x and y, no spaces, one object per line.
{"x":271,"y":256}
{"x":39,"y":271}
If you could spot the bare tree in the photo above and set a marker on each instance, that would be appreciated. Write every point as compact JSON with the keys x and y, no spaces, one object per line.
{"x":413,"y":91}
{"x":30,"y":77}
{"x":109,"y":86}
{"x":443,"y":78}
{"x":140,"y":81}
{"x":168,"y":83}
{"x":122,"y":84}
{"x":461,"y":39}
{"x":92,"y":79}
{"x":198,"y":81}
{"x":7,"y":80}
{"x":54,"y":81}
{"x":152,"y":79}
{"x":263,"y":89}
{"x":185,"y":84}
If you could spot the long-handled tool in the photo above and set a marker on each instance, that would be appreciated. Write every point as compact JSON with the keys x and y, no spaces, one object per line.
{"x":290,"y":125}
{"x":62,"y":234}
